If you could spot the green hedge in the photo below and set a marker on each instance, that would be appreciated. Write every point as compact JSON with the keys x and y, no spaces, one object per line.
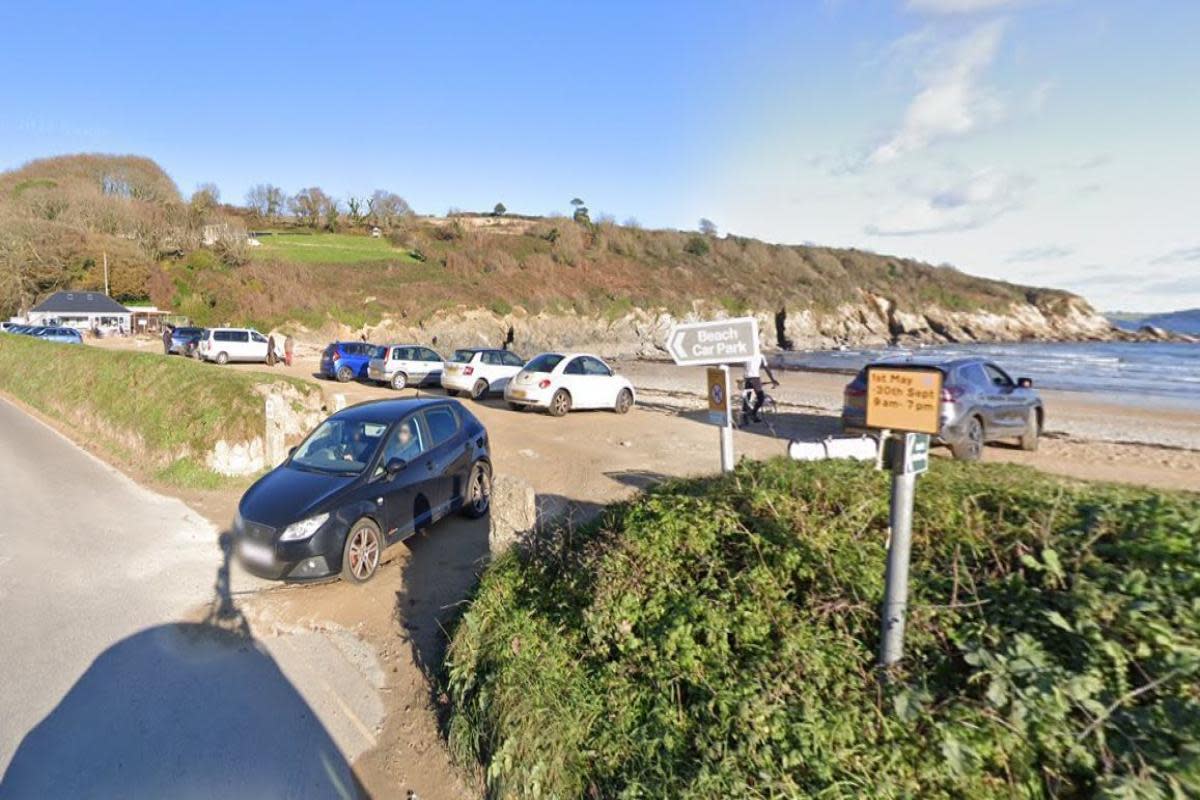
{"x":715,"y":639}
{"x":146,"y":407}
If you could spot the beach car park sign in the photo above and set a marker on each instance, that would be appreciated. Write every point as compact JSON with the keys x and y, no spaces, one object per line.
{"x":904,"y":399}
{"x":722,"y":341}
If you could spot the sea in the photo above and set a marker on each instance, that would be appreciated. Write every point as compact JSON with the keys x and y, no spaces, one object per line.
{"x":1146,"y":373}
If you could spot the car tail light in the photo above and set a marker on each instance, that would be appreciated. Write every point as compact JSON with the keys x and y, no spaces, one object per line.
{"x":468,"y":370}
{"x":951,"y":393}
{"x":544,"y":383}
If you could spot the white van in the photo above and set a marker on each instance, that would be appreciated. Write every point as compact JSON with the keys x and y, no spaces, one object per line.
{"x":223,"y":345}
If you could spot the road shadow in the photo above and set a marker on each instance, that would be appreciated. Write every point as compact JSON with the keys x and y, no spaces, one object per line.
{"x":441,"y":571}
{"x":637,"y":478}
{"x":183,"y":710}
{"x":803,"y":426}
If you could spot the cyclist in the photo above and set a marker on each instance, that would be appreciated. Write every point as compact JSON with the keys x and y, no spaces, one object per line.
{"x":753,"y":380}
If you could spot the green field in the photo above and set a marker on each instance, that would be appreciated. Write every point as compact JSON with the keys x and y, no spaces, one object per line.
{"x":326,"y":248}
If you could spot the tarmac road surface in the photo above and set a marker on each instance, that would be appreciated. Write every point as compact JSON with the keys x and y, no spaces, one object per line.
{"x":104,"y":692}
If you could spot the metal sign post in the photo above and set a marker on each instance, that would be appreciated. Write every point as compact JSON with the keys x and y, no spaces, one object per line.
{"x":909,"y":457}
{"x":905,"y":400}
{"x":720,"y":412}
{"x":721,"y":342}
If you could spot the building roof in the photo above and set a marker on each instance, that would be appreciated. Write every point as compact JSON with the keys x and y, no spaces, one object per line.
{"x":80,"y":303}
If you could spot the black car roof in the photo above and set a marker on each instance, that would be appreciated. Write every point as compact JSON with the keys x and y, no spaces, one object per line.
{"x":387,"y":410}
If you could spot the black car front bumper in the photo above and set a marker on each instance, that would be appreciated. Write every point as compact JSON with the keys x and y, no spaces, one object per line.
{"x":316,"y":558}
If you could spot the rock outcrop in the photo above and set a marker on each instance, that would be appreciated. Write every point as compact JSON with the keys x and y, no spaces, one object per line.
{"x":641,"y":333}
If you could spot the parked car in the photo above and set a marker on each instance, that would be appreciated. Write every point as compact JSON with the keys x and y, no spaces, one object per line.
{"x":980,"y":403}
{"x":345,"y":361}
{"x":401,"y":365}
{"x":480,"y":372}
{"x":367,"y":477}
{"x":561,"y":382}
{"x":184,"y":340}
{"x":223,"y":345}
{"x":60,"y":335}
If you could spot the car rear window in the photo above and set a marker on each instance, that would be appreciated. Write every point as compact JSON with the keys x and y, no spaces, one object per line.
{"x":546,"y":362}
{"x":462,"y":356}
{"x":442,"y":424}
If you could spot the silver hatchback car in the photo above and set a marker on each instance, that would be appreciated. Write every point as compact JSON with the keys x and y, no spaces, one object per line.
{"x":980,"y":403}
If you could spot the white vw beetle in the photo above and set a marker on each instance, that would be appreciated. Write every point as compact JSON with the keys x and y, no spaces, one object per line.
{"x":562,"y":382}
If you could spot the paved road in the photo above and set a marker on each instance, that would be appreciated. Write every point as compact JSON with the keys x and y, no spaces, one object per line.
{"x":102,"y":692}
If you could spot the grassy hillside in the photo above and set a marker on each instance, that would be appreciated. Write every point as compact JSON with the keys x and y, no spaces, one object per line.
{"x":561,"y":266}
{"x":147,"y":411}
{"x":326,"y":248}
{"x":60,"y":217}
{"x":716,"y":638}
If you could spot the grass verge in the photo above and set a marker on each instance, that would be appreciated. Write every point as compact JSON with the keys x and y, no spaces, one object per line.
{"x":716,"y":638}
{"x":158,"y":414}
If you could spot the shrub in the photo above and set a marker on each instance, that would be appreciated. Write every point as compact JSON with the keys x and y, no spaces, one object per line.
{"x":716,"y":638}
{"x":696,"y":246}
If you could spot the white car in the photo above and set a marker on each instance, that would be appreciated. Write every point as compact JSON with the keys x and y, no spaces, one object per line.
{"x":561,"y":382}
{"x":480,"y":372}
{"x":223,"y":345}
{"x":405,"y":365}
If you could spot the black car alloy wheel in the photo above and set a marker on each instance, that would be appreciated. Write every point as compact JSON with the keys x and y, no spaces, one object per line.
{"x":479,"y":491}
{"x":360,"y":557}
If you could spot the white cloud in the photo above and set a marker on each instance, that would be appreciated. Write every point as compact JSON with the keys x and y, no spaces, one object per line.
{"x":951,"y":101}
{"x":962,"y":6}
{"x":966,"y":204}
{"x":1183,"y":255}
{"x":1049,"y":252}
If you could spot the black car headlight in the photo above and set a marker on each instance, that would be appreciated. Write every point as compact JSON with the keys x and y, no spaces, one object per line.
{"x":304,"y":528}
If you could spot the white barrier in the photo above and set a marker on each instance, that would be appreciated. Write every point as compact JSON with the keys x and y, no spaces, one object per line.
{"x":864,"y":448}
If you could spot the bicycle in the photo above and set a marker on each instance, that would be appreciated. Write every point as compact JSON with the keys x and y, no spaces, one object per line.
{"x":766,"y":412}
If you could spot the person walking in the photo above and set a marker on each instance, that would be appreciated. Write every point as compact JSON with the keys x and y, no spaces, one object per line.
{"x":166,"y":337}
{"x":288,"y":345}
{"x":271,"y":350}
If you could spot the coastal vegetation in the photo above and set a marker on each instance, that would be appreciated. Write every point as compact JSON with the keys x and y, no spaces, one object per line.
{"x":716,"y":637}
{"x":63,"y":219}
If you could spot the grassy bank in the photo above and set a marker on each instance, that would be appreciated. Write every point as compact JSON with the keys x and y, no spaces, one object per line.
{"x":716,"y":638}
{"x":146,"y":410}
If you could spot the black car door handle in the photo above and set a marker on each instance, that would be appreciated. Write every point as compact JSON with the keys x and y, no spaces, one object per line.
{"x":429,"y":466}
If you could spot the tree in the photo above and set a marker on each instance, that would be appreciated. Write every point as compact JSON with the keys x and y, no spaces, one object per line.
{"x":356,"y":209}
{"x":581,"y":215}
{"x":499,"y":209}
{"x":266,"y":200}
{"x":385,"y":209}
{"x":309,"y":206}
{"x":708,"y":227}
{"x":331,"y":215}
{"x":575,"y":201}
{"x":206,"y":198}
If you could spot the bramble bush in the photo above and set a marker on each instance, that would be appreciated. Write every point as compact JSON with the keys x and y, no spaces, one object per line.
{"x":716,"y":638}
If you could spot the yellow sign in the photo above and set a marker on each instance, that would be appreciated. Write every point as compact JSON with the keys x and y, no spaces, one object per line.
{"x":901,"y":399}
{"x":718,"y":395}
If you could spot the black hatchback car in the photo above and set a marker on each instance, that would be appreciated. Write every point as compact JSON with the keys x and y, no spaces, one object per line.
{"x":366,"y":478}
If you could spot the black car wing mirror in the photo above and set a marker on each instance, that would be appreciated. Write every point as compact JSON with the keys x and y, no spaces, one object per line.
{"x":395,"y":466}
{"x":1025,"y":383}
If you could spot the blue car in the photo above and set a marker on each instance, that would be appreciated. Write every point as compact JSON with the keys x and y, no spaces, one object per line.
{"x":346,"y":361}
{"x":61,"y":335}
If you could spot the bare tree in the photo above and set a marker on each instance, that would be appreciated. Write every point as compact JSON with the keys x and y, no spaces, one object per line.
{"x":385,"y":209}
{"x":356,"y":209}
{"x":266,"y":200}
{"x":708,"y":227}
{"x":206,"y":198}
{"x":310,"y":206}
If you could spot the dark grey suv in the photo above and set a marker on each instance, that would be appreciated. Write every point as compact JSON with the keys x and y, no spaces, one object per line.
{"x":980,"y":403}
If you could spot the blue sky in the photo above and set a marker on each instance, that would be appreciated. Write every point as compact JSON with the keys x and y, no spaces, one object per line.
{"x":1049,"y":142}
